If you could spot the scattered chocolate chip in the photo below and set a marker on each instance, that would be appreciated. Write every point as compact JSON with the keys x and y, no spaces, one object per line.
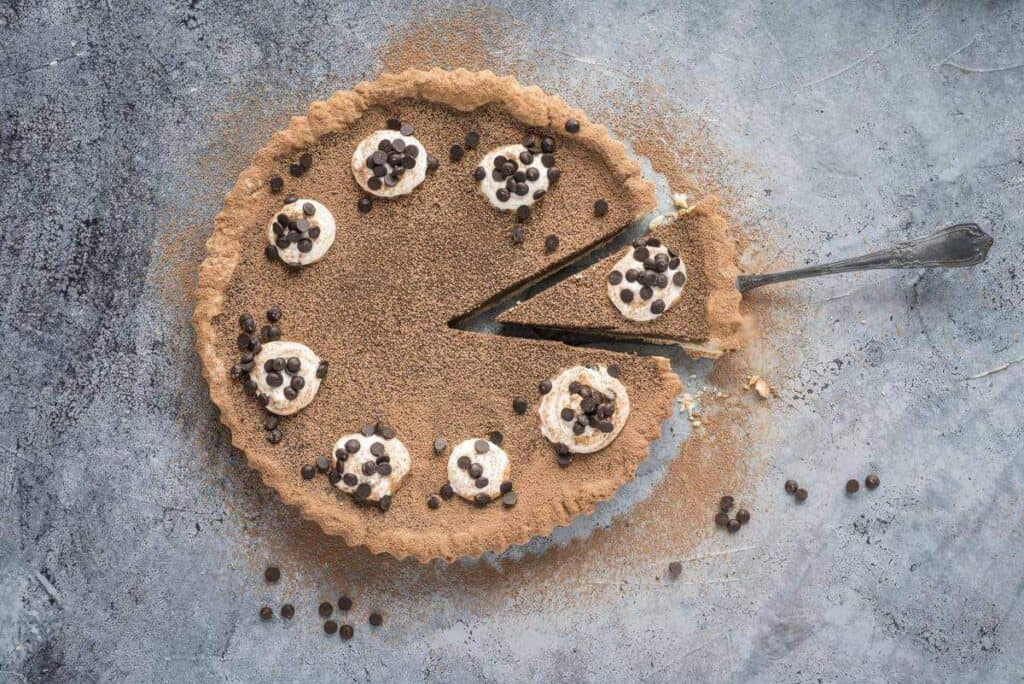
{"x":801,"y":495}
{"x":544,"y":386}
{"x":518,"y":235}
{"x":743,"y":516}
{"x":385,"y":503}
{"x":272,"y":574}
{"x":433,"y":501}
{"x":551,"y":243}
{"x":325,"y":609}
{"x":308,"y":472}
{"x":274,"y":436}
{"x":296,"y":170}
{"x":344,"y":603}
{"x":321,"y":370}
{"x":393,"y":124}
{"x":554,"y":173}
{"x":791,"y":486}
{"x":330,"y":627}
{"x":346,"y":632}
{"x":675,"y":568}
{"x":270,"y":422}
{"x":547,"y":144}
{"x":721,"y":519}
{"x":270,"y":251}
{"x":287,"y":611}
{"x":376,"y":619}
{"x":505,"y":487}
{"x":440,"y":444}
{"x":614,"y":370}
{"x":456,"y":153}
{"x":406,"y":130}
{"x":523,"y":212}
{"x":852,"y":486}
{"x":432,"y":163}
{"x":368,"y":430}
{"x":519,"y":405}
{"x":733,"y":526}
{"x":472,"y":140}
{"x":509,"y":499}
{"x":364,"y":205}
{"x":725,"y":504}
{"x":657,"y":306}
{"x":447,"y":491}
{"x":276,"y":184}
{"x":600,"y":208}
{"x":306,"y":161}
{"x":872,"y":481}
{"x":564,"y":460}
{"x":481,"y":446}
{"x":481,"y":499}
{"x":479,"y":174}
{"x":266,"y":613}
{"x":496,"y":437}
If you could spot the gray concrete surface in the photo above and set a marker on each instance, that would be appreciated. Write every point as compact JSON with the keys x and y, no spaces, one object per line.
{"x":131,"y":537}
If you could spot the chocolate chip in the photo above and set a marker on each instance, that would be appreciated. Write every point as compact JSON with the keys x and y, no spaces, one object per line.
{"x":350,"y":479}
{"x":872,"y":481}
{"x":440,"y":444}
{"x":432,"y":163}
{"x":551,"y":243}
{"x":362,"y":491}
{"x":554,"y":173}
{"x":334,"y":477}
{"x":801,"y":495}
{"x":272,"y":574}
{"x":447,"y":491}
{"x":456,"y":153}
{"x":287,"y":611}
{"x":344,"y":603}
{"x":472,"y":140}
{"x":600,"y":208}
{"x":481,"y":446}
{"x":523,"y":212}
{"x":675,"y":568}
{"x":290,"y":393}
{"x":464,"y":462}
{"x":678,"y":279}
{"x":626,"y":296}
{"x":496,"y":437}
{"x":479,"y":174}
{"x":270,"y":251}
{"x":564,"y":460}
{"x":321,"y":370}
{"x":568,"y":414}
{"x":614,"y":370}
{"x":346,"y":632}
{"x":406,"y":130}
{"x":270,"y":422}
{"x":266,"y":613}
{"x":547,"y":144}
{"x":657,"y":306}
{"x":725,"y":504}
{"x":308,"y":472}
{"x":376,"y":619}
{"x":393,"y":124}
{"x":544,"y":386}
{"x":519,"y":405}
{"x":476,"y":470}
{"x":646,"y":292}
{"x":325,"y":609}
{"x":852,"y":486}
{"x":297,"y":382}
{"x":274,"y":436}
{"x":385,"y":503}
{"x":481,"y":482}
{"x":364,"y":205}
{"x":743,"y":516}
{"x":509,"y":499}
{"x":481,"y":499}
{"x":306,"y":161}
{"x":368,"y":430}
{"x":614,"y":278}
{"x":323,"y":464}
{"x":572,"y":126}
{"x":296,"y":170}
{"x":276,"y":184}
{"x":721,"y":519}
{"x":433,"y":501}
{"x":369,"y":468}
{"x":330,"y":627}
{"x":791,"y":486}
{"x":384,"y":468}
{"x":733,"y":526}
{"x":548,"y":160}
{"x":374,"y":183}
{"x":532,"y":174}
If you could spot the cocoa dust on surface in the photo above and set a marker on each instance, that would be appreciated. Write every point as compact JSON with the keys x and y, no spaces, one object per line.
{"x":718,"y":457}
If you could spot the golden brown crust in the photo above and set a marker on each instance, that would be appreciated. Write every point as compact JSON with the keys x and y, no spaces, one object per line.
{"x":706,"y":319}
{"x":653,"y":383}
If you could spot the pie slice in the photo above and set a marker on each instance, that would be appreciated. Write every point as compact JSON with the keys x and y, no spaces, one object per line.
{"x":396,"y":387}
{"x":705,"y":318}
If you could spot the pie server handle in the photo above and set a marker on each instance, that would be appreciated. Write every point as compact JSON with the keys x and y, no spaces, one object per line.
{"x":964,"y":244}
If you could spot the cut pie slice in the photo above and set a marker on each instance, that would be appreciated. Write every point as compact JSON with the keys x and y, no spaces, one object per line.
{"x":412,"y":252}
{"x":704,"y":319}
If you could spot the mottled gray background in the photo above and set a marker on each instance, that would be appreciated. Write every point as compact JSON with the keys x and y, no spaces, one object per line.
{"x":131,"y":538}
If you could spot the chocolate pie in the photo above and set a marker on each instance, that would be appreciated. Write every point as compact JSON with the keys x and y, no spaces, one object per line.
{"x":378,"y":307}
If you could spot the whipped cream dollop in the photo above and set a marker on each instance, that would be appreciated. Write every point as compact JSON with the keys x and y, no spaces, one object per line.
{"x":288,"y":374}
{"x":585,"y":409}
{"x":478,"y":470}
{"x":389,"y":163}
{"x":647,"y":280}
{"x":301,"y":232}
{"x":371,"y":466}
{"x":512,"y":176}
